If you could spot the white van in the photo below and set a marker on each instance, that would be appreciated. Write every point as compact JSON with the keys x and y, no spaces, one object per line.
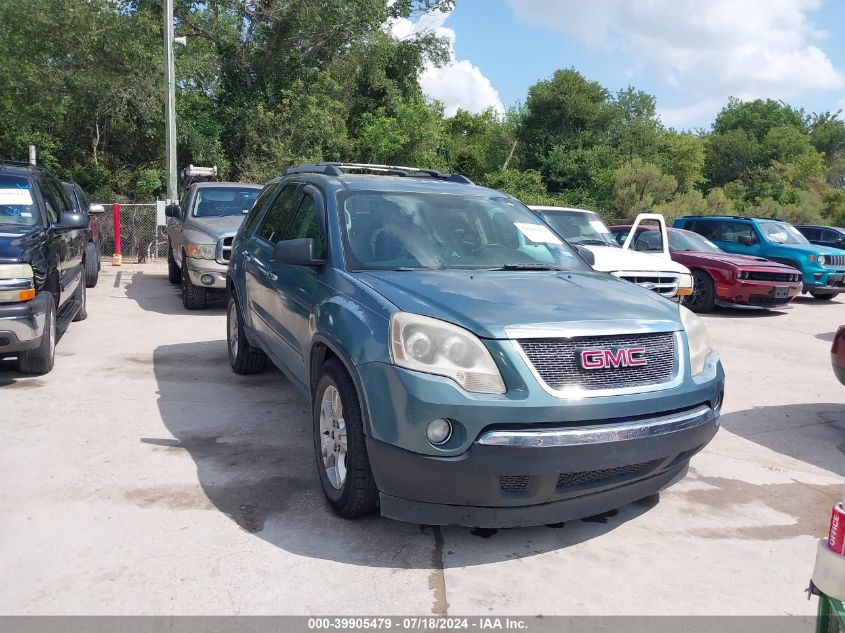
{"x":585,"y":229}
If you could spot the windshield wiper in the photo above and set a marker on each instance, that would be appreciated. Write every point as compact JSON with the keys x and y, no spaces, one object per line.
{"x":592,"y":240}
{"x":537,"y":266}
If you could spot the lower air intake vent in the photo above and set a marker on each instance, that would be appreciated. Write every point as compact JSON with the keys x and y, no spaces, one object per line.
{"x":586,"y":477}
{"x":513,"y":483}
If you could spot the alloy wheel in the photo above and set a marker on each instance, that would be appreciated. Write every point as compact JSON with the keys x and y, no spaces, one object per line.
{"x":333,"y":442}
{"x":233,"y":330}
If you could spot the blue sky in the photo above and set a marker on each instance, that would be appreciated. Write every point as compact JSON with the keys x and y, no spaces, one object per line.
{"x":691,"y":54}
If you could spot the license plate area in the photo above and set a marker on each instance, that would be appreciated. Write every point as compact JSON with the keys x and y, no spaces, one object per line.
{"x":781,"y":293}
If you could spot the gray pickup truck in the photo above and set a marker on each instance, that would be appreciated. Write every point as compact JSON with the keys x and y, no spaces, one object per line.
{"x":199,"y":234}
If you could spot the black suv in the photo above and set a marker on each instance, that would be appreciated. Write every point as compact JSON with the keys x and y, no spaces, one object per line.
{"x":42,"y":251}
{"x":823,"y":235}
{"x":92,"y":233}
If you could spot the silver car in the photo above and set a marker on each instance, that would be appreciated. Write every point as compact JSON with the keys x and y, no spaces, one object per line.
{"x":199,"y":234}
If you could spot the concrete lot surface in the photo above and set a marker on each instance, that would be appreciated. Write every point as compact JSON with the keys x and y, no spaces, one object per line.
{"x":143,"y":477}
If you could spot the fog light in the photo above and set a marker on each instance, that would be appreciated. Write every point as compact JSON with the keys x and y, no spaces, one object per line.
{"x":208,"y":280}
{"x":439,"y":431}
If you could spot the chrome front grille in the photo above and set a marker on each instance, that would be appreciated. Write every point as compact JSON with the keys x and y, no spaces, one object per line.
{"x":557,"y":361}
{"x":834,"y":261}
{"x":224,"y":248}
{"x":663,"y":283}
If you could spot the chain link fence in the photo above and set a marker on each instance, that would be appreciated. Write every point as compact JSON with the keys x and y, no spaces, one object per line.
{"x":141,"y":239}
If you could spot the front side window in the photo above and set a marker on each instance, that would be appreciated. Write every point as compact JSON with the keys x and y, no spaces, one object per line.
{"x":782,"y":233}
{"x":17,"y":206}
{"x":211,"y":202}
{"x":305,"y":225}
{"x":736,"y":232}
{"x":278,"y":218}
{"x":578,"y":227}
{"x":385,"y":230}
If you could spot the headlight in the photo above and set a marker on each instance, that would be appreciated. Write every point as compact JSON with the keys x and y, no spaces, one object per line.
{"x":436,"y":347}
{"x":16,"y":283}
{"x":697,"y":339}
{"x":201,"y":251}
{"x":742,"y":275}
{"x":821,"y":259}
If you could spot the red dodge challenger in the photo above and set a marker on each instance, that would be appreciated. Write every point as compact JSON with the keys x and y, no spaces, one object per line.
{"x":720,"y":278}
{"x":837,"y":354}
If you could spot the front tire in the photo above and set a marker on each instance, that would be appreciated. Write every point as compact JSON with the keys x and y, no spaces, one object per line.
{"x":92,"y":264}
{"x":243,"y":357}
{"x":193,"y":297}
{"x":173,"y":274}
{"x":40,"y":360}
{"x":703,"y":297}
{"x":339,"y":444}
{"x":823,"y":296}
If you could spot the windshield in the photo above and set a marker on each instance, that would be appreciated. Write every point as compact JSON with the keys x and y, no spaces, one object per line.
{"x":579,"y":227}
{"x":680,"y":240}
{"x":212,"y":202}
{"x":782,"y":233}
{"x":385,"y":230}
{"x":17,"y":207}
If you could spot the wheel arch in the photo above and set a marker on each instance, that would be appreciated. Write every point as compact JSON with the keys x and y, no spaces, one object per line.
{"x":322,"y":349}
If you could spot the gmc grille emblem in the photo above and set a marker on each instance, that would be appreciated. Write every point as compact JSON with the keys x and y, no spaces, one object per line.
{"x":613,"y":358}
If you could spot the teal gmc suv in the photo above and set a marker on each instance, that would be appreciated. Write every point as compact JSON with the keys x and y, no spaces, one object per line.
{"x":822,"y":268}
{"x":464,"y":364}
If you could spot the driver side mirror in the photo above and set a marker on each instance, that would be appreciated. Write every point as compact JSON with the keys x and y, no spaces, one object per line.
{"x":587,"y":254}
{"x":96,"y":209}
{"x":297,"y":253}
{"x":71,"y":222}
{"x":173,"y":211}
{"x":746,"y":240}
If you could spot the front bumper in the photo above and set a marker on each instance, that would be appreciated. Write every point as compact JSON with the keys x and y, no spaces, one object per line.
{"x":518,"y":484}
{"x":833,"y":281}
{"x":22,"y":324}
{"x":756,"y":294}
{"x":206,"y":273}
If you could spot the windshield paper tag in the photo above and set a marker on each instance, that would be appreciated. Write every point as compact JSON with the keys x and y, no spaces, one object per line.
{"x":599,"y":226}
{"x":15,"y":197}
{"x":537,"y":233}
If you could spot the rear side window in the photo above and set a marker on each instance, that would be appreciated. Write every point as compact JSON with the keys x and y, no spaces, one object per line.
{"x":278,"y":219}
{"x":17,"y":206}
{"x":737,"y":232}
{"x":811,"y":233}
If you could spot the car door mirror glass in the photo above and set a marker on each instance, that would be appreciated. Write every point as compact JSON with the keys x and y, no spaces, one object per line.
{"x":296,"y":252}
{"x":69,"y":221}
{"x":173,"y":211}
{"x":587,"y":254}
{"x":746,"y":240}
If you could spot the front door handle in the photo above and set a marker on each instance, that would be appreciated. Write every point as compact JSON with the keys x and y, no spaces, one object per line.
{"x":271,"y":276}
{"x":247,"y":257}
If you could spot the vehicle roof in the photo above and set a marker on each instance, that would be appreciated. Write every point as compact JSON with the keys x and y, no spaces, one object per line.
{"x":20,"y":169}
{"x":225,"y":185}
{"x":373,"y":182}
{"x":620,"y":227}
{"x":731,"y":217}
{"x":818,"y":226}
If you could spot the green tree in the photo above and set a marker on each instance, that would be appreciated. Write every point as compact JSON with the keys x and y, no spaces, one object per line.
{"x":756,"y":118}
{"x":682,"y":155}
{"x":639,"y":186}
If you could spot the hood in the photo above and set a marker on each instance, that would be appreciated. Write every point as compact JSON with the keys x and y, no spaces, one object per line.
{"x":731,"y":259}
{"x":812,"y":249}
{"x":214,"y":226}
{"x":14,"y":244}
{"x":611,"y":258}
{"x":487,"y":302}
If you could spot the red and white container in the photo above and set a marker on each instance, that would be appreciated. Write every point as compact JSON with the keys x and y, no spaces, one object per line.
{"x":836,"y":535}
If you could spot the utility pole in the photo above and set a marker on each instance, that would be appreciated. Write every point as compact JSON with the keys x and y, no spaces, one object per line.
{"x":170,"y":102}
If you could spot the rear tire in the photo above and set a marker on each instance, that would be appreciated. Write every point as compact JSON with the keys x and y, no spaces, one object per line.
{"x":40,"y":360}
{"x":92,"y":264}
{"x":193,"y":297}
{"x":703,"y":297}
{"x":173,"y":274}
{"x":243,"y":357}
{"x":823,"y":296}
{"x":339,"y":444}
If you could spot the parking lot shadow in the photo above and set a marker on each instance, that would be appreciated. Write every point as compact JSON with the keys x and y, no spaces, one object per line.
{"x":813,"y":433}
{"x":250,"y":439}
{"x":154,"y":293}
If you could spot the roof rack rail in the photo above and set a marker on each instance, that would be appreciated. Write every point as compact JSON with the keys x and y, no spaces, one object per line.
{"x":338,"y":169}
{"x":19,"y":163}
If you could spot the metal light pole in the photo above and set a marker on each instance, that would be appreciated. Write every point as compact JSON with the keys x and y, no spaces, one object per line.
{"x":170,"y":102}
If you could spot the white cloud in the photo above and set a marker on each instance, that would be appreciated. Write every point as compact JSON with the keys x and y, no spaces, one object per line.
{"x":705,"y":49}
{"x":458,"y":84}
{"x":686,"y":116}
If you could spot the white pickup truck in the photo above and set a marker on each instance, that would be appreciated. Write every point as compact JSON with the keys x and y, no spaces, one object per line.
{"x":585,"y":229}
